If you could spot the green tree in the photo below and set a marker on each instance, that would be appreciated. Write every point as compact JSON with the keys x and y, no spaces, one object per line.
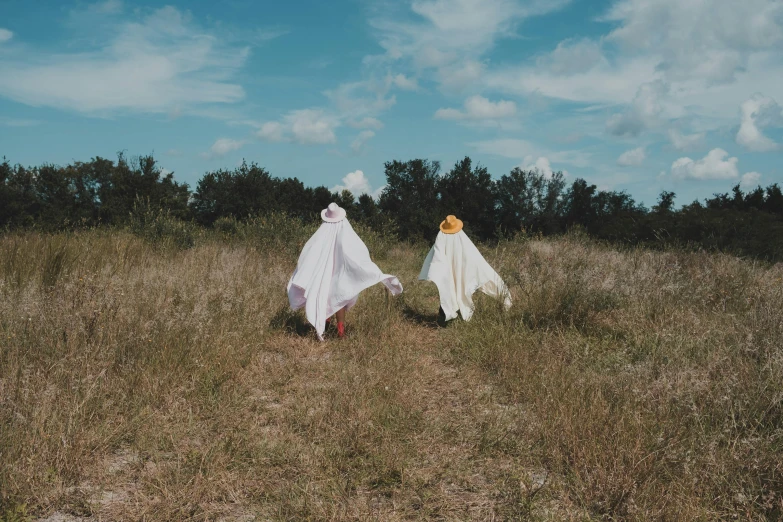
{"x":531,"y":200}
{"x":290,"y":197}
{"x":346,"y":200}
{"x":56,"y":200}
{"x":773,"y":202}
{"x":120,"y":186}
{"x":367,"y":209}
{"x":549,"y":203}
{"x":755,"y":199}
{"x":665,"y":202}
{"x":411,"y":197}
{"x":320,"y":197}
{"x":579,"y":206}
{"x":515,"y":200}
{"x":468,"y":194}
{"x":616,"y":217}
{"x":7,"y":196}
{"x":22,"y":205}
{"x":245,"y":191}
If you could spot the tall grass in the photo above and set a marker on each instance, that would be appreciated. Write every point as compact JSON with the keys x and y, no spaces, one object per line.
{"x":652,"y":382}
{"x":145,"y":375}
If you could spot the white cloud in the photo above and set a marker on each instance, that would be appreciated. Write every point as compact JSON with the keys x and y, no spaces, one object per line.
{"x":569,"y":138}
{"x":320,"y":63}
{"x":364,"y":99}
{"x":271,"y":131}
{"x":108,"y":7}
{"x":750,"y":180}
{"x":756,"y":113}
{"x":713,"y":166}
{"x":608,"y":84}
{"x":152,"y":64}
{"x":406,"y":84}
{"x":361,"y":139}
{"x":269,"y":33}
{"x":604,"y":83}
{"x":93,"y":15}
{"x":5,"y":35}
{"x":668,"y":59}
{"x":507,"y":148}
{"x":460,"y":75}
{"x":479,"y":108}
{"x":444,"y":34}
{"x":357,"y":183}
{"x":223,"y":146}
{"x":629,"y":123}
{"x":526,"y":151}
{"x":724,"y":62}
{"x":304,"y":126}
{"x":573,"y":57}
{"x":719,"y":102}
{"x":634,"y":157}
{"x":18,"y":122}
{"x":719,"y":35}
{"x":311,"y":126}
{"x":541,"y":165}
{"x":367,"y":123}
{"x":175,"y":113}
{"x":428,"y":57}
{"x":577,"y":158}
{"x":354,"y":104}
{"x":645,"y":109}
{"x":685,"y":141}
{"x":174,"y":152}
{"x":448,"y":26}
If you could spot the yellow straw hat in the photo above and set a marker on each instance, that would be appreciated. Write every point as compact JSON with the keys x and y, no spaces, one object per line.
{"x":451,"y":225}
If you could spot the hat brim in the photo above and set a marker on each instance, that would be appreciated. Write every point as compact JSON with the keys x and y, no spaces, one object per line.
{"x":453,"y":230}
{"x":340,"y":216}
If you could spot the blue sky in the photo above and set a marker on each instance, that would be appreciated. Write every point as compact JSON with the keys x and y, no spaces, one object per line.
{"x":635,"y":95}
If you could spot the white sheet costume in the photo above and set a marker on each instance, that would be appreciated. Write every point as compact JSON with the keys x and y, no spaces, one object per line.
{"x":333,"y":268}
{"x":458,"y":269}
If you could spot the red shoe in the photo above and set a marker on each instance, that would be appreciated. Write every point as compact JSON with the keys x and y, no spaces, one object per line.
{"x":340,"y":329}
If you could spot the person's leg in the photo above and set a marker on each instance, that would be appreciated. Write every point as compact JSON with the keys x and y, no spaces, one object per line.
{"x":340,"y":322}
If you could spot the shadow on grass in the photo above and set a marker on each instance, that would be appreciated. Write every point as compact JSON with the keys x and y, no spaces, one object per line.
{"x":288,"y":321}
{"x":423,"y":319}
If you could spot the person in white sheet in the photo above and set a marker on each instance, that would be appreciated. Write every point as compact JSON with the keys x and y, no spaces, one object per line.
{"x":458,"y":269}
{"x":333,"y":268}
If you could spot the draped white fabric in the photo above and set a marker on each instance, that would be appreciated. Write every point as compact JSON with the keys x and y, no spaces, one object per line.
{"x":458,"y":269}
{"x":333,"y":268}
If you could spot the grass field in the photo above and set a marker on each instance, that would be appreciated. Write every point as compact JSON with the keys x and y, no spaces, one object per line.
{"x":159,"y":375}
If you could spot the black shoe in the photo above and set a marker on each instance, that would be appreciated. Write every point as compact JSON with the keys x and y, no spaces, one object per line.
{"x":441,"y":317}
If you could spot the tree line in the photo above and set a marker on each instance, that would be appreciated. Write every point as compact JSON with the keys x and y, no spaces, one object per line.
{"x":417,"y":196}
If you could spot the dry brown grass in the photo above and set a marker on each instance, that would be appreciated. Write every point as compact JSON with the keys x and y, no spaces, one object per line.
{"x":140,"y":381}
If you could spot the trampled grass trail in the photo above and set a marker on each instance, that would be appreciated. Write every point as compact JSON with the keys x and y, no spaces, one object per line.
{"x":140,"y":380}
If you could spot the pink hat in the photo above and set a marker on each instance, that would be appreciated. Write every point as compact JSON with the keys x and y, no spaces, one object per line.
{"x":333,"y":213}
